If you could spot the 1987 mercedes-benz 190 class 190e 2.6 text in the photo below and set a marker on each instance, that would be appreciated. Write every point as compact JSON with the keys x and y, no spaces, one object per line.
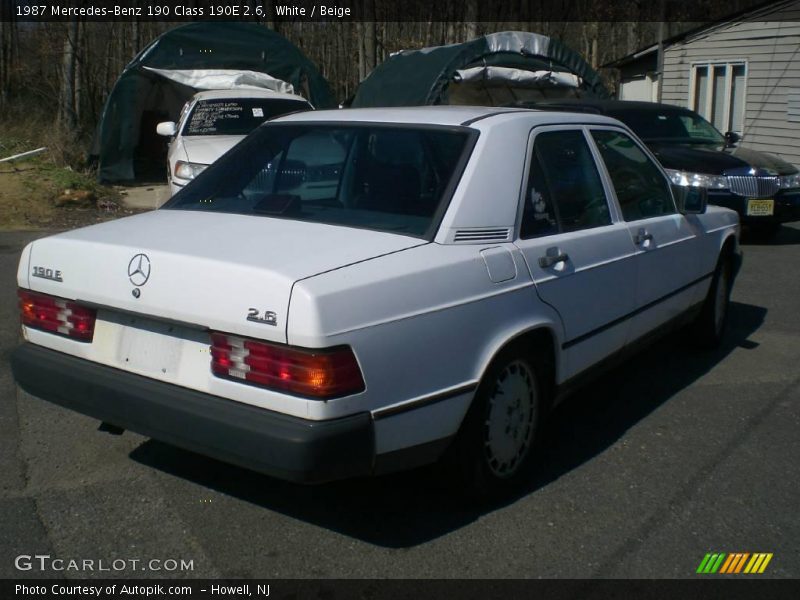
{"x":352,"y":292}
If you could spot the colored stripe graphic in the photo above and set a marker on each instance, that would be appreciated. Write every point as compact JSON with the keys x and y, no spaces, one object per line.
{"x":758,"y":563}
{"x":727,"y":564}
{"x":765,"y":563}
{"x":711,"y":563}
{"x":715,"y":567}
{"x":741,"y":562}
{"x":703,"y":563}
{"x":734,"y":563}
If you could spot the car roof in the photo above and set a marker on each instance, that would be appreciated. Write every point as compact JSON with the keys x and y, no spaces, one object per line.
{"x":438,"y":115}
{"x":603,"y":106}
{"x":246,"y":93}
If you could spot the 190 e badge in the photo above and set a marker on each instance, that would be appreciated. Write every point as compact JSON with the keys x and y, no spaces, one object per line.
{"x":44,"y":273}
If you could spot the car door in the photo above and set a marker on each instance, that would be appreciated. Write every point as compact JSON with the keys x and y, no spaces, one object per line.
{"x":667,"y":243}
{"x":578,"y":253}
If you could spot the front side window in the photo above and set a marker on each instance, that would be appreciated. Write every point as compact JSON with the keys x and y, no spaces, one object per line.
{"x":564,"y":191}
{"x":642,"y":191}
{"x":236,"y":116}
{"x":386,"y":178}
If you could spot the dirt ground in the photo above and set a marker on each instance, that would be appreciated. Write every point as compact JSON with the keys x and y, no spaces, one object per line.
{"x":29,"y":190}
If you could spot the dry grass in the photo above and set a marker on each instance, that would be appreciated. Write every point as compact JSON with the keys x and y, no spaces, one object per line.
{"x":28,"y":188}
{"x":28,"y":193}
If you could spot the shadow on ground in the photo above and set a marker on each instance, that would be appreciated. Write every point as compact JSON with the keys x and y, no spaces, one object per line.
{"x":787,"y":235}
{"x":407,"y":509}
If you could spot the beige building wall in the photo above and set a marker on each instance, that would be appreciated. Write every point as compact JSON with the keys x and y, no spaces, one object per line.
{"x":767,"y":45}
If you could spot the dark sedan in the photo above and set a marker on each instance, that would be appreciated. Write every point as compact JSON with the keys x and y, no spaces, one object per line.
{"x":763,"y":188}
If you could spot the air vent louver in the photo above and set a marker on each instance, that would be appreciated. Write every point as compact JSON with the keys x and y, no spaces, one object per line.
{"x":483,"y":234}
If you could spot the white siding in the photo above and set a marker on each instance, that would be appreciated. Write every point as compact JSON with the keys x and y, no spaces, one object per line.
{"x":769,"y":43}
{"x":794,"y":105}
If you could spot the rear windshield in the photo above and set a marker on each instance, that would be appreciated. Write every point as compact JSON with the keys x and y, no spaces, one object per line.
{"x":670,"y":126}
{"x":381,"y":177}
{"x":236,"y":116}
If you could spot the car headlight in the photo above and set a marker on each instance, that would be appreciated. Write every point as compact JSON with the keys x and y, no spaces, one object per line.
{"x":187,"y":170}
{"x":789,"y":181}
{"x":686,"y":179}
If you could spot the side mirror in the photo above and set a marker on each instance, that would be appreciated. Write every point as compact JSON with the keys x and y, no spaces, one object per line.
{"x":731,"y":138}
{"x":691,"y":200}
{"x":167,"y":128}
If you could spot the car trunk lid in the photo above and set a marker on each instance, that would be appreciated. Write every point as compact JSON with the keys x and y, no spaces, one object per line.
{"x":208,"y":270}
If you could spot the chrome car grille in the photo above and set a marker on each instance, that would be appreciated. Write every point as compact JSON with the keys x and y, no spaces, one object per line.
{"x":753,"y":187}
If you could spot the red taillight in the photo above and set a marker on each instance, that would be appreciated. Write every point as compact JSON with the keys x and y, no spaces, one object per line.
{"x":56,"y":315}
{"x":319,"y":374}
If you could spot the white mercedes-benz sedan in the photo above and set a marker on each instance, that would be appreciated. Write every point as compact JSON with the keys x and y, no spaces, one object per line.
{"x":358,"y":291}
{"x":214,"y":121}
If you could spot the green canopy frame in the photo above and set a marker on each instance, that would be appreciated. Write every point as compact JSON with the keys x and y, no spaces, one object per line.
{"x":126,"y":145}
{"x":429,"y":75}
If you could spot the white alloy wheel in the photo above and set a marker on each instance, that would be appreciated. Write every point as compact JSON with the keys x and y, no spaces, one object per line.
{"x":511,"y":419}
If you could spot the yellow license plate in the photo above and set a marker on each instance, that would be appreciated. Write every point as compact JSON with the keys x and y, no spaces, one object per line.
{"x":760,"y":208}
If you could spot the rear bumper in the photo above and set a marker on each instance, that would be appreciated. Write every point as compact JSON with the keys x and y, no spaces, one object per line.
{"x":280,"y":445}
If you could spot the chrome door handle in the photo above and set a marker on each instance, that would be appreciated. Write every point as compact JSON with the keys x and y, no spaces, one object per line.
{"x":553,"y":256}
{"x":642,"y":237}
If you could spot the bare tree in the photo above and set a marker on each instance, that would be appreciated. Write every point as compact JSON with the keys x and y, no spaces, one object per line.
{"x":7,"y":38}
{"x":67,"y":114}
{"x":136,"y":40}
{"x":5,"y":33}
{"x":370,"y":41}
{"x":80,"y":54}
{"x":471,"y":19}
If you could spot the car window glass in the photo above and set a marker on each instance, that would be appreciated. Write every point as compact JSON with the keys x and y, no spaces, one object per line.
{"x":313,"y":164}
{"x":236,"y":116}
{"x":680,"y":127}
{"x":642,"y":191}
{"x":564,"y":191}
{"x":700,"y":129}
{"x":388,"y":178}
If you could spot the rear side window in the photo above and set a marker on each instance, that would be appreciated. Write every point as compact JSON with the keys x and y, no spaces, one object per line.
{"x":236,"y":116}
{"x":564,"y":191}
{"x":642,"y":191}
{"x":387,"y":178}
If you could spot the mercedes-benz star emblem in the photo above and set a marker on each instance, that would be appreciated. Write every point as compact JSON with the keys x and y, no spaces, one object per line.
{"x":139,"y":269}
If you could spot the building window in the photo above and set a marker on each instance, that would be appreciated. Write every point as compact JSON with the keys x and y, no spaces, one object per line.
{"x":717,"y":93}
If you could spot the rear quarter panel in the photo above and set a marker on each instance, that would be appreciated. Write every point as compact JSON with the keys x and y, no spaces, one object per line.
{"x":421,"y":322}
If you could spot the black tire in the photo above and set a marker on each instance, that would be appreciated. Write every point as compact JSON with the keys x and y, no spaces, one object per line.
{"x":495,"y":447}
{"x":710,"y":325}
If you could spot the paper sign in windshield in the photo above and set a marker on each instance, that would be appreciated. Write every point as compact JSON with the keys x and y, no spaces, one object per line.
{"x":208,"y":117}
